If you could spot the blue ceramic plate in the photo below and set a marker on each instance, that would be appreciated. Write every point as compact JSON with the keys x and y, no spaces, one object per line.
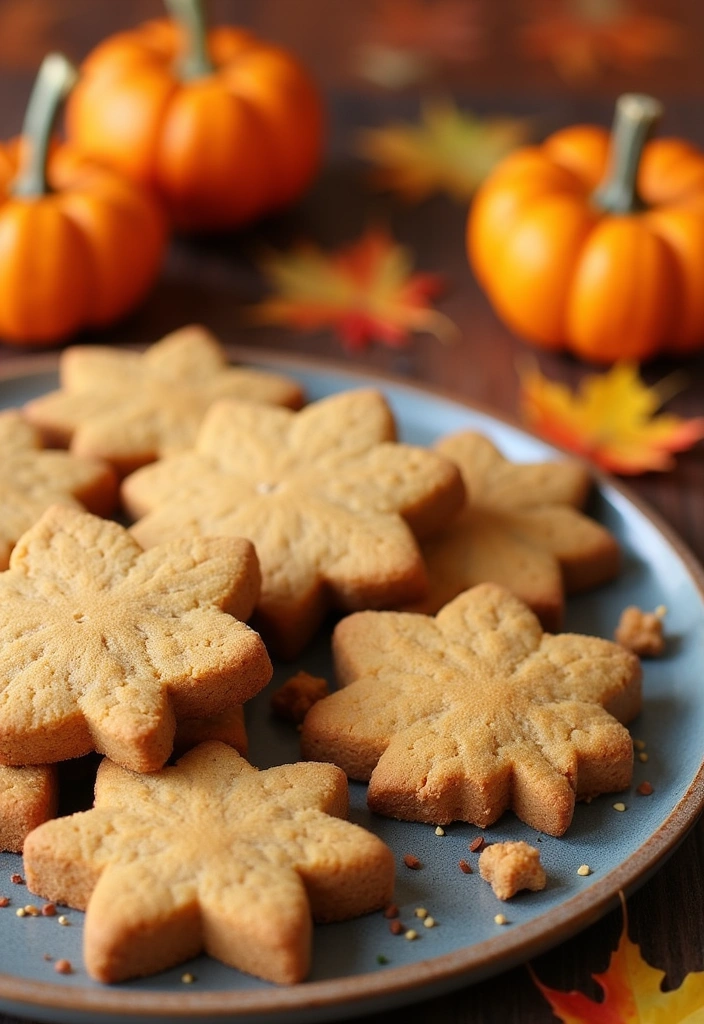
{"x":621,"y":848}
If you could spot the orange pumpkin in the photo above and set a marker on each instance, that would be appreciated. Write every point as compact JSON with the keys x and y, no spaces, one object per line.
{"x":224,"y":126}
{"x":596,"y":244}
{"x":79,"y":246}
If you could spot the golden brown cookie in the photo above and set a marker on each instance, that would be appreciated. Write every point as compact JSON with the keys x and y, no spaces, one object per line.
{"x":132,"y":408}
{"x":228,"y":727}
{"x":210,"y":855}
{"x":510,"y":867}
{"x":521,"y":529}
{"x":32,"y":479}
{"x":641,"y":632}
{"x":296,"y":697}
{"x":476,"y":711}
{"x":28,"y":797}
{"x":103,"y":646}
{"x":330,"y":501}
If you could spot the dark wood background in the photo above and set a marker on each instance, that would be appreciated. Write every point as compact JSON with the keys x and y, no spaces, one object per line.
{"x":472,"y":49}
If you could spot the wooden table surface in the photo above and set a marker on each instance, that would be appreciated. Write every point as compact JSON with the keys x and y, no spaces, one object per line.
{"x":209,"y":280}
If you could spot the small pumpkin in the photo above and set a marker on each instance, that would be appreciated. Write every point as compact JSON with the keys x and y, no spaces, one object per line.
{"x":79,"y":246}
{"x":224,"y":126}
{"x":596,"y":244}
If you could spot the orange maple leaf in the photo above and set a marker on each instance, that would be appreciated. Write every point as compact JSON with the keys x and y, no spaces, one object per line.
{"x":583,"y":38}
{"x":632,"y":993}
{"x":366,"y":290}
{"x":610,"y":419}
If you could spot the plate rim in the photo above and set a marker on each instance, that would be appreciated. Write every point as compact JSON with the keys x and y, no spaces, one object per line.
{"x":446,"y":970}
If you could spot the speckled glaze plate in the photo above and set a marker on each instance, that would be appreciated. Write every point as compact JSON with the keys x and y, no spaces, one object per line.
{"x":622,"y":849}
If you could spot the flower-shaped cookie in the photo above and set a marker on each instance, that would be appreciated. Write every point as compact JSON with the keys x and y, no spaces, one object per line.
{"x":210,"y":855}
{"x":31,"y":480}
{"x":521,"y":529}
{"x":476,"y":711}
{"x":330,"y":502}
{"x":103,"y":646}
{"x":28,"y":797}
{"x":131,"y":408}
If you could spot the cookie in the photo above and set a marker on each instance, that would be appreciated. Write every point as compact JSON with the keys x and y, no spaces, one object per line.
{"x":32,"y":479}
{"x":131,"y":408}
{"x":510,"y":867}
{"x":522,"y":529}
{"x":330,"y":501}
{"x":103,"y":646}
{"x":296,"y":697}
{"x":475,"y":712}
{"x":228,"y":727}
{"x":641,"y":632}
{"x":210,"y":855}
{"x":28,"y":797}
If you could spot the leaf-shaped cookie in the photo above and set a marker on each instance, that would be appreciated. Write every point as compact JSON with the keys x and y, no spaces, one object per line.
{"x":329,"y":500}
{"x":131,"y":408}
{"x":210,"y":855}
{"x":476,"y":711}
{"x":103,"y":646}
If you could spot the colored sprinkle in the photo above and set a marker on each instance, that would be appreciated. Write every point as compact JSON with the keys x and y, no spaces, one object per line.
{"x":62,"y":919}
{"x":411,"y":861}
{"x":21,"y":912}
{"x":584,"y":870}
{"x":396,"y":928}
{"x":429,"y":922}
{"x":421,"y":912}
{"x":17,"y":879}
{"x":639,"y":744}
{"x":49,"y":910}
{"x":411,"y":934}
{"x":476,"y":844}
{"x":645,"y":789}
{"x":188,"y":979}
{"x":4,"y":901}
{"x":642,"y":757}
{"x":465,"y":867}
{"x":661,"y":611}
{"x":381,"y":959}
{"x":619,"y":807}
{"x":63,"y":967}
{"x":500,"y":919}
{"x":439,"y":831}
{"x":32,"y":911}
{"x":391,"y":911}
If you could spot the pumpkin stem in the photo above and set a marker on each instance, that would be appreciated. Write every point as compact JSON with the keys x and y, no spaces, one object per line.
{"x":195,"y":61}
{"x":56,"y":77}
{"x":635,"y":120}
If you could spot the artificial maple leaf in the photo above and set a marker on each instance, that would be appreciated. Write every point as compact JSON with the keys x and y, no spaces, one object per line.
{"x":583,"y":37}
{"x":212,"y":855}
{"x":610,"y":419}
{"x":365,"y":290}
{"x":632,"y":993}
{"x":448,"y":150}
{"x":475,"y":711}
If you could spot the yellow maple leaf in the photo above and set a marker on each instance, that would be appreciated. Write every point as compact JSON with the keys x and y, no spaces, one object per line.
{"x":610,"y":419}
{"x":632,"y":993}
{"x":449,"y":150}
{"x":366,"y":290}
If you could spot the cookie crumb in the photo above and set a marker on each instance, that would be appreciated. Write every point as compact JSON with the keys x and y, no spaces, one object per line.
{"x":429,"y":922}
{"x":48,"y":957}
{"x":62,"y":919}
{"x":421,"y":912}
{"x":4,"y":901}
{"x":477,"y":844}
{"x":381,"y":959}
{"x":17,"y":879}
{"x":296,"y":697}
{"x":500,"y":919}
{"x":510,"y":867}
{"x":465,"y":867}
{"x":391,"y":911}
{"x":49,"y":910}
{"x":32,"y":911}
{"x":619,"y":806}
{"x":643,"y":757}
{"x":396,"y":928}
{"x":411,"y":934}
{"x":640,"y":632}
{"x":584,"y":870}
{"x":411,"y":861}
{"x":439,"y":831}
{"x":188,"y":979}
{"x":63,"y":967}
{"x":645,"y":789}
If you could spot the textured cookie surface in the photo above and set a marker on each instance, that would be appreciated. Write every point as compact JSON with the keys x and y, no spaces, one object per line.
{"x":476,"y":711}
{"x":329,"y":500}
{"x":521,"y":529}
{"x":210,"y":855}
{"x":32,"y":479}
{"x":28,"y":797}
{"x":103,"y":646}
{"x":131,"y":408}
{"x":510,"y":867}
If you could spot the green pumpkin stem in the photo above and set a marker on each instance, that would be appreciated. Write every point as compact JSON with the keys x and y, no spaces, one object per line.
{"x":56,"y":77}
{"x":195,"y":61}
{"x":635,"y":120}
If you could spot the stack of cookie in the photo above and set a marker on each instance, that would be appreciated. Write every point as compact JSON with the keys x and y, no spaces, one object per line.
{"x":132,"y":642}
